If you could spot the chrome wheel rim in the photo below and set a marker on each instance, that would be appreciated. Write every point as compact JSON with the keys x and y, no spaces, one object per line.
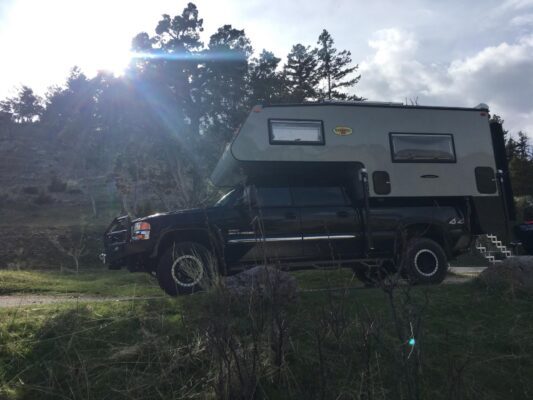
{"x":426,"y":263}
{"x":187,"y":270}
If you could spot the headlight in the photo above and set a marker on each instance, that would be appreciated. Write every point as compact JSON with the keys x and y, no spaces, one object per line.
{"x":140,"y":231}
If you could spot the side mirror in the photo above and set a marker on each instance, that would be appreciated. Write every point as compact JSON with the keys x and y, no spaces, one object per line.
{"x":246,"y":199}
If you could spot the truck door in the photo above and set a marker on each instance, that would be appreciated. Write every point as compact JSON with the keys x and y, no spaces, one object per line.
{"x":331,"y":225}
{"x":270,"y":227}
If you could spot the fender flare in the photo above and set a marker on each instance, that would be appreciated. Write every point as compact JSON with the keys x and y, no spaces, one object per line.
{"x":433,"y":226}
{"x":213,"y":236}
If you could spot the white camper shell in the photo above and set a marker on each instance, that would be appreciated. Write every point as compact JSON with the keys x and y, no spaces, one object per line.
{"x":425,"y":151}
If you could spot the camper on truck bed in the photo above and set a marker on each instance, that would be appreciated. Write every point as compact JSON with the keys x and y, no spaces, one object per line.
{"x":367,"y":185}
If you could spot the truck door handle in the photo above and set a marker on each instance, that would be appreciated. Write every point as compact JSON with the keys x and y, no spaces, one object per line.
{"x":290,"y":215}
{"x":343,"y":214}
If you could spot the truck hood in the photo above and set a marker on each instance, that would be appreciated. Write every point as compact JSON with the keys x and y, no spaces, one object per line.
{"x":183,"y":218}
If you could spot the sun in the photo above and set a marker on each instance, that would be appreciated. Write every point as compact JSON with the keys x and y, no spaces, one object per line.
{"x":114,"y":60}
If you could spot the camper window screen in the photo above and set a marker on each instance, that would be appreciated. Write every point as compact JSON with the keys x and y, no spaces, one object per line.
{"x":422,"y":147}
{"x":296,"y":132}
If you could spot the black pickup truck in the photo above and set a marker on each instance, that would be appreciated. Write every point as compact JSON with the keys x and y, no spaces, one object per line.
{"x":289,"y":226}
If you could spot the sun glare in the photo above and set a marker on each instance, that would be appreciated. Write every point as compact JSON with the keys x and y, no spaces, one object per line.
{"x":114,"y":61}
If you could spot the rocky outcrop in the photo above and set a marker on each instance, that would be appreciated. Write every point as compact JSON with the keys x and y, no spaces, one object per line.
{"x":515,"y":273}
{"x":263,"y":282}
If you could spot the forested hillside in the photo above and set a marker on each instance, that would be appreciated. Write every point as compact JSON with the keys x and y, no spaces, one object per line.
{"x":143,"y":142}
{"x":95,"y":147}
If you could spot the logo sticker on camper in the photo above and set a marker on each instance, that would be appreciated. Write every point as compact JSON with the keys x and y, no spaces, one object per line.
{"x":342,"y":130}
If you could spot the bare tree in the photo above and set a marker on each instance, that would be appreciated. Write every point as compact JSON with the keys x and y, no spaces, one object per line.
{"x":73,"y":245}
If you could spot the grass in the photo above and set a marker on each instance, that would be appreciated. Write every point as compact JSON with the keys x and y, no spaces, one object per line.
{"x":474,"y":343}
{"x":95,"y":282}
{"x":105,"y":282}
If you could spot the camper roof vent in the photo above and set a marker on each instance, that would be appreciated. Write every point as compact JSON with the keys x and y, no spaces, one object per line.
{"x":482,"y":106}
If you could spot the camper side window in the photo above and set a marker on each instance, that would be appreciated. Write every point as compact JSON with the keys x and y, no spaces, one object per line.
{"x":296,"y":132}
{"x":421,"y":147}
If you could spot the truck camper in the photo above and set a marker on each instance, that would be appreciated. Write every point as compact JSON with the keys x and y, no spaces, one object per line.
{"x":373,"y":186}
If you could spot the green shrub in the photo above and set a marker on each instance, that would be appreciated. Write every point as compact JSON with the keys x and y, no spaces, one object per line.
{"x":33,"y":190}
{"x":43,"y":199}
{"x":57,"y":185}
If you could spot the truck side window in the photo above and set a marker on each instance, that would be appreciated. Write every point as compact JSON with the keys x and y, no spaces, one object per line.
{"x":319,"y":196}
{"x":422,"y":147}
{"x":272,"y":196}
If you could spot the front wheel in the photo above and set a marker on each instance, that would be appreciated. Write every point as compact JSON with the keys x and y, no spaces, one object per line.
{"x":185,"y":268}
{"x":425,"y":261}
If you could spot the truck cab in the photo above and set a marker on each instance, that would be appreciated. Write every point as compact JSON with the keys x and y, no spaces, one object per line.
{"x":302,"y":225}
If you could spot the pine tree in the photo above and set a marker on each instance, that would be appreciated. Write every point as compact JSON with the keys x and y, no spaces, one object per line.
{"x":301,"y":73}
{"x":334,"y":69}
{"x":25,"y":107}
{"x":266,"y":83}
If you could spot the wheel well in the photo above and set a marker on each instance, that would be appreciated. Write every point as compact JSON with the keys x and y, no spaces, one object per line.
{"x":424,"y":230}
{"x":197,"y":236}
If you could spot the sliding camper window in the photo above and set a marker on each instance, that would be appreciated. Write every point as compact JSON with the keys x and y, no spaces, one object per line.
{"x":283,"y":131}
{"x":422,"y":147}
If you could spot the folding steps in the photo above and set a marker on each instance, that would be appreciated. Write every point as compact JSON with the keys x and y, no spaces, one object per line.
{"x":492,"y":249}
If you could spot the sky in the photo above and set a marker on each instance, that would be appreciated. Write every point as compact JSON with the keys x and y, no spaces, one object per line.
{"x":454,"y":53}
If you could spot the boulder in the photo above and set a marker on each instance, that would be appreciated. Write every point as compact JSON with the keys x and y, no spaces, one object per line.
{"x":263,"y":281}
{"x":514,"y":272}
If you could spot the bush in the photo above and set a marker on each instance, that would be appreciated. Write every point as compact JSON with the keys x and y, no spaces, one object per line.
{"x":43,"y":199}
{"x":57,"y":185}
{"x":524,"y":208}
{"x":72,"y":187}
{"x":32,"y":190}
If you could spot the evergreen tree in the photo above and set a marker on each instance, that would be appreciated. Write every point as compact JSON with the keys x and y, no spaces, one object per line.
{"x":301,"y":73}
{"x":25,"y":107}
{"x":335,"y":70}
{"x":171,"y":71}
{"x":266,"y":83}
{"x":226,"y":74}
{"x":522,"y":148}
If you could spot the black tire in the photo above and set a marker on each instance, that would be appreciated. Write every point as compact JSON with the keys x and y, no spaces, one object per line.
{"x":425,"y":261}
{"x":185,"y":268}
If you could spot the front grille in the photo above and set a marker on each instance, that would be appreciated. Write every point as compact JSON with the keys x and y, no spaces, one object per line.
{"x":118,"y":232}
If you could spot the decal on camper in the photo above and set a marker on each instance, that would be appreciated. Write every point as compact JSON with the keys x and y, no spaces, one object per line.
{"x":342,"y":130}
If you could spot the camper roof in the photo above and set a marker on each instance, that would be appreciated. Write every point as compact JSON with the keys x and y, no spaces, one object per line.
{"x":479,"y":107}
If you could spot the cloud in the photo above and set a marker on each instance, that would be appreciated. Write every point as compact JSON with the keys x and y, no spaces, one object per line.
{"x":501,"y":76}
{"x":522,"y":20}
{"x":516,"y":4}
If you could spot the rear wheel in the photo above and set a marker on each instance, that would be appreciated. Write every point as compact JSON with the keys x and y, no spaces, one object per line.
{"x":185,"y":268}
{"x":425,"y":261}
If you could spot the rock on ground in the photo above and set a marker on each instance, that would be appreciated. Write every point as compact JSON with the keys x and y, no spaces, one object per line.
{"x":516,"y":272}
{"x":264,"y":281}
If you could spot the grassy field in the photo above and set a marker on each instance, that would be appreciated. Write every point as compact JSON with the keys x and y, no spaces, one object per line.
{"x":469,"y":342}
{"x":104,"y":282}
{"x":96,"y":282}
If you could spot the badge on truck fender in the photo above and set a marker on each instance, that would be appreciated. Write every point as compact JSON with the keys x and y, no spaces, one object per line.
{"x":342,"y":130}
